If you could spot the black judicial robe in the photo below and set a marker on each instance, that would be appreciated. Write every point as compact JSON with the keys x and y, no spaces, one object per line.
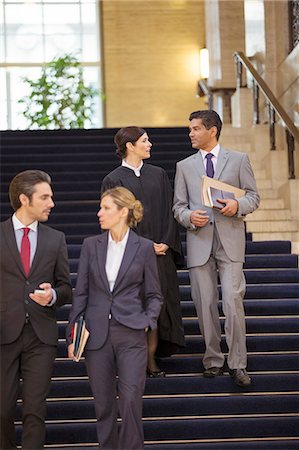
{"x":154,"y":191}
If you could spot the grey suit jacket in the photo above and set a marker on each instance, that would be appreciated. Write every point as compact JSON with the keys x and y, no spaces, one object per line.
{"x":50,"y":265}
{"x":233,"y":168}
{"x":136,"y":297}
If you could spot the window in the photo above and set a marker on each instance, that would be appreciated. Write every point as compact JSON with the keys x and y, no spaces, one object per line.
{"x":33,"y":32}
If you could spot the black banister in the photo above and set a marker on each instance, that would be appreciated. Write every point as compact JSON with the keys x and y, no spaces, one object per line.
{"x":292,"y":132}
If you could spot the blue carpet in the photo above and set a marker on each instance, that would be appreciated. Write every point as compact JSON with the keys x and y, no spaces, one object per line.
{"x":204,"y":414}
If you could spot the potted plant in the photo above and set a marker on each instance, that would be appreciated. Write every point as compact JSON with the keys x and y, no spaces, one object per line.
{"x":59,"y":98}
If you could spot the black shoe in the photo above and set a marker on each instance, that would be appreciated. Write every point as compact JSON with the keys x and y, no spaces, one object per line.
{"x":213,"y":372}
{"x":155,"y":373}
{"x":240,"y":377}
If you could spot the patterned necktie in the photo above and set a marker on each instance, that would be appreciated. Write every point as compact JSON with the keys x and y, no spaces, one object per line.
{"x":210,"y":166}
{"x":25,"y":251}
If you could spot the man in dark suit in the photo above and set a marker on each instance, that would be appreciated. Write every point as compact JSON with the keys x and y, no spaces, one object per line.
{"x":216,"y":242}
{"x":34,"y":281}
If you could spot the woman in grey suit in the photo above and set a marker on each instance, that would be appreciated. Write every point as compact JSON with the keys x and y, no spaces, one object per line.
{"x":118,"y":291}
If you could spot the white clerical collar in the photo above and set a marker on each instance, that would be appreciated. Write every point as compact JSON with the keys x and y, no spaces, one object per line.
{"x":136,"y":170}
{"x":18,"y":225}
{"x":215,"y":151}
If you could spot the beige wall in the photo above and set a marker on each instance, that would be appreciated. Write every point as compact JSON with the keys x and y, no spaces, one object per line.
{"x":151,"y":60}
{"x":277,"y":39}
{"x":225,"y":34}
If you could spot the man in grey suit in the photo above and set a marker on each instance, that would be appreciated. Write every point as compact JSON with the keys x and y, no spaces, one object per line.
{"x":216,"y":242}
{"x":34,"y":282}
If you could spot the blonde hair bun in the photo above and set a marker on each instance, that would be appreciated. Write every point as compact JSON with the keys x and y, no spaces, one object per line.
{"x":124,"y":198}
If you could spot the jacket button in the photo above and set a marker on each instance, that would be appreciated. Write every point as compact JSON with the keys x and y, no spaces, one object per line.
{"x":27,"y":302}
{"x":27,"y":283}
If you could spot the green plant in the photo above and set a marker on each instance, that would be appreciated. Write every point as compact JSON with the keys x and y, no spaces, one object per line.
{"x":59,"y":98}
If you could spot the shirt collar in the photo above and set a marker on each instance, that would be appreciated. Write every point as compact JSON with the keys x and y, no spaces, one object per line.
{"x":18,"y":225}
{"x":121,"y":243}
{"x":215,"y":151}
{"x":135,"y":169}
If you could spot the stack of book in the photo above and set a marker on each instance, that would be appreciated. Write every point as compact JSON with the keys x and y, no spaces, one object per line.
{"x":80,"y":337}
{"x":213,"y":190}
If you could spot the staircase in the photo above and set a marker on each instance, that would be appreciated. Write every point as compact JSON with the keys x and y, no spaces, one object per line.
{"x":183,"y":410}
{"x":277,"y":218}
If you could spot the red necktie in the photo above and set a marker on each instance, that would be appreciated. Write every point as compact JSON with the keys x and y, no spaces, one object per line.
{"x":25,"y":251}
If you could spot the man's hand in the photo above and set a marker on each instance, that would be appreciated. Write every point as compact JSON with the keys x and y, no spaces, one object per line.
{"x":160,"y":249}
{"x":199,"y":218}
{"x":231,"y":207}
{"x":43,"y":299}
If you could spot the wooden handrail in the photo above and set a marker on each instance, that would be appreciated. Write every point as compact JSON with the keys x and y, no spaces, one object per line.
{"x":292,"y":132}
{"x":239,"y":56}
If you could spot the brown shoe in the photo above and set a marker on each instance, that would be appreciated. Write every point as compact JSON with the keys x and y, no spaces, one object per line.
{"x":213,"y":372}
{"x":240,"y":377}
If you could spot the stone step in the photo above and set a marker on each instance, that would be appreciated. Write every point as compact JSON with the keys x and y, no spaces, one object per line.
{"x":275,"y":203}
{"x":269,"y":215}
{"x":266,"y":193}
{"x":280,"y":236}
{"x":264,"y":184}
{"x":259,"y":173}
{"x":277,"y":226}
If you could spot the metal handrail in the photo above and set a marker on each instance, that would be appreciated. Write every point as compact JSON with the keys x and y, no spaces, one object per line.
{"x":292,"y":133}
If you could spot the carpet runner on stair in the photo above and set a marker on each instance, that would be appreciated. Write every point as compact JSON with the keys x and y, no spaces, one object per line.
{"x":183,"y":410}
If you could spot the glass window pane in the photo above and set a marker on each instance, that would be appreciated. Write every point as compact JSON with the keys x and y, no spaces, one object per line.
{"x":89,"y":14}
{"x":2,"y":48}
{"x":92,"y":76}
{"x":25,"y":14}
{"x":59,"y":44}
{"x":18,"y":87}
{"x":68,"y":14}
{"x":24,"y":48}
{"x":90,"y":51}
{"x":37,"y":31}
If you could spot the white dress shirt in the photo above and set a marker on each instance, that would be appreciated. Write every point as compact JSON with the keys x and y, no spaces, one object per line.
{"x":32,"y":235}
{"x":115,"y":253}
{"x":214,"y":159}
{"x":135,"y":169}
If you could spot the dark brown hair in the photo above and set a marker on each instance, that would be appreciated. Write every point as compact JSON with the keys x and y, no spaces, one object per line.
{"x":209,"y":119}
{"x":24,"y":183}
{"x":125,"y":135}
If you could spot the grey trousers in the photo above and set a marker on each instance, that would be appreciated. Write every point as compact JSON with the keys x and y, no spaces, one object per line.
{"x":124,"y":354}
{"x":205,"y":296}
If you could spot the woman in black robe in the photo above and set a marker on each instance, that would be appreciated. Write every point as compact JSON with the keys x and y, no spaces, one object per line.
{"x":150,"y":185}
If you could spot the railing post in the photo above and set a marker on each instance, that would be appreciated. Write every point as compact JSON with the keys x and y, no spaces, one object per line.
{"x":239,"y":71}
{"x":210,"y":100}
{"x":291,"y":149}
{"x":256,"y":106}
{"x":272,"y":126}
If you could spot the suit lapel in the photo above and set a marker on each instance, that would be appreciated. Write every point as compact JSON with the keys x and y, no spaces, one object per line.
{"x":101,"y":252}
{"x":41,"y":245}
{"x":12,"y":244}
{"x":198,"y":165}
{"x":132,"y":246}
{"x":222,"y":160}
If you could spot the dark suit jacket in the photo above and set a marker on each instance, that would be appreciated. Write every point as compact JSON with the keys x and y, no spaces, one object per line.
{"x":50,"y":265}
{"x":136,"y":298}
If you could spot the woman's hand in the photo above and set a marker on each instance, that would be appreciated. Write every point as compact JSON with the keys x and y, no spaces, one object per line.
{"x":160,"y":249}
{"x":70,"y":351}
